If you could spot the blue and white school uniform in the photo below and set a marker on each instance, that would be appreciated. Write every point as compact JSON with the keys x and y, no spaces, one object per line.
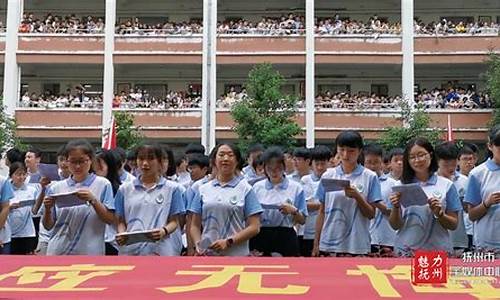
{"x":224,"y":210}
{"x":6,"y":193}
{"x":421,"y":229}
{"x":381,"y":232}
{"x":249,"y":173}
{"x":78,"y":230}
{"x":310,"y":184}
{"x":345,"y":229}
{"x":20,"y":219}
{"x":458,"y":236}
{"x":287,"y":191}
{"x":149,"y":208}
{"x":483,"y":181}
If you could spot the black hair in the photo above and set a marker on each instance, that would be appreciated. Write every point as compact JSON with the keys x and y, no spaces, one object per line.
{"x":35,"y":150}
{"x":62,"y":152}
{"x":199,"y":160}
{"x":273,"y":154}
{"x":236,"y":152}
{"x":131,"y":154}
{"x":257,"y":161}
{"x":255,"y":148}
{"x":113,"y":161}
{"x":396,"y":152}
{"x":179,"y":159}
{"x":16,"y":166}
{"x":373,"y":149}
{"x":494,"y":135}
{"x":302,"y":152}
{"x":194,"y":148}
{"x":321,"y":152}
{"x":447,"y":151}
{"x":334,"y":150}
{"x":465,"y":150}
{"x":169,"y":154}
{"x":121,"y":154}
{"x":349,"y":138}
{"x":80,"y":144}
{"x":473,"y":147}
{"x":14,"y":155}
{"x":408,"y":173}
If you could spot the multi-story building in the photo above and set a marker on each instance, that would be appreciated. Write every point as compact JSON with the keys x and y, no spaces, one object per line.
{"x":321,"y":61}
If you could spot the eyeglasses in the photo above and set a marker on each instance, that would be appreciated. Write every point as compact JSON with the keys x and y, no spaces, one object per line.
{"x":420,"y":156}
{"x":78,"y":162}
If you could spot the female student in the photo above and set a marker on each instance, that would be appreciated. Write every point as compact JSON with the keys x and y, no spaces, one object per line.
{"x":79,"y":230}
{"x":108,"y":165}
{"x":228,"y":207}
{"x":342,"y":227}
{"x":483,"y":197}
{"x":149,"y":203}
{"x":424,"y":227}
{"x":20,"y":220}
{"x":6,"y":193}
{"x":284,"y":205}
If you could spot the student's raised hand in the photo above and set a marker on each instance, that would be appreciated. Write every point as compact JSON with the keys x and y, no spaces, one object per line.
{"x":493,"y":198}
{"x":48,"y":203}
{"x":121,"y":239}
{"x":85,"y":195}
{"x":436,"y":207}
{"x":395,"y":200}
{"x":219,"y":245}
{"x":44,"y":182}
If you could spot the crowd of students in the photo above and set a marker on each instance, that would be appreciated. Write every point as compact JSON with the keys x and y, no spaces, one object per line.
{"x":277,"y":205}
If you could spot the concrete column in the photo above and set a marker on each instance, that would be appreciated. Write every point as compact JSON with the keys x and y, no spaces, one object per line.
{"x":109,"y":72}
{"x":209,"y":69}
{"x":11,"y":78}
{"x":408,"y":73}
{"x":310,"y":83}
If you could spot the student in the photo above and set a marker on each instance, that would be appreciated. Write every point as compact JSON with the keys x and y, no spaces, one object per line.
{"x":342,"y":227}
{"x":467,"y":158}
{"x":301,"y":163}
{"x":121,"y":154}
{"x":6,"y":193}
{"x":12,"y":155}
{"x":447,"y":156}
{"x":198,"y":165}
{"x":150,"y":202}
{"x":32,"y":160}
{"x":79,"y":230}
{"x":181,"y":174}
{"x":253,"y":152}
{"x":396,"y":163}
{"x":424,"y":227}
{"x":381,"y":233}
{"x":335,"y":159}
{"x":276,"y":233}
{"x":64,"y":173}
{"x":225,"y":211}
{"x":108,"y":165}
{"x":483,"y":197}
{"x":320,"y":157}
{"x":23,"y":236}
{"x":289,"y":168}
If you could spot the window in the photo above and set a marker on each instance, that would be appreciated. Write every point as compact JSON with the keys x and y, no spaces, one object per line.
{"x":236,"y":87}
{"x":52,"y":88}
{"x":154,"y":90}
{"x":334,"y":88}
{"x":194,"y":89}
{"x":380,"y":89}
{"x":457,"y":19}
{"x":288,"y":89}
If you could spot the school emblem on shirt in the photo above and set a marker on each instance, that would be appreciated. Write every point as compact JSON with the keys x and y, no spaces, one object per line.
{"x":289,"y":201}
{"x":437,"y":194}
{"x":160,"y":199}
{"x":233,"y":200}
{"x":359,"y":187}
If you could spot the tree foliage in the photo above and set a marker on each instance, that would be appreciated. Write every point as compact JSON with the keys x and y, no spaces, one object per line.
{"x":266,"y":116}
{"x":8,"y":126}
{"x":128,"y":135}
{"x":493,"y":86}
{"x":417,"y":124}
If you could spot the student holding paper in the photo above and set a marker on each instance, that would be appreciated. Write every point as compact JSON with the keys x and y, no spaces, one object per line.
{"x":79,"y":229}
{"x":342,"y":227}
{"x":149,"y":203}
{"x":483,"y":197}
{"x":447,"y":155}
{"x":20,"y":221}
{"x":6,"y":193}
{"x":424,"y":227}
{"x":284,"y":205}
{"x":381,"y":232}
{"x":225,"y":211}
{"x":320,"y":157}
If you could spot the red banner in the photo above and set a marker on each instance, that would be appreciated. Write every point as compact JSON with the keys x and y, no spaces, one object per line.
{"x":235,"y":278}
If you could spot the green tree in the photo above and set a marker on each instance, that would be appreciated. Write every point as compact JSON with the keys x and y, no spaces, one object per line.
{"x":8,"y":126}
{"x":127,"y":134}
{"x":417,"y":123}
{"x":493,"y":86}
{"x":266,"y":116}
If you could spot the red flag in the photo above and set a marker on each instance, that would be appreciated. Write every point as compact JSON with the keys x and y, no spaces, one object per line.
{"x":109,"y":136}
{"x":449,"y":135}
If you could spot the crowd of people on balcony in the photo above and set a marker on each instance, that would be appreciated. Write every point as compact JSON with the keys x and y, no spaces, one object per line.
{"x":283,"y":25}
{"x":437,"y":98}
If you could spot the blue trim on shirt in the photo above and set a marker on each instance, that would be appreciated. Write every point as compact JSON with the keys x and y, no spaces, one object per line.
{"x":492,"y":165}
